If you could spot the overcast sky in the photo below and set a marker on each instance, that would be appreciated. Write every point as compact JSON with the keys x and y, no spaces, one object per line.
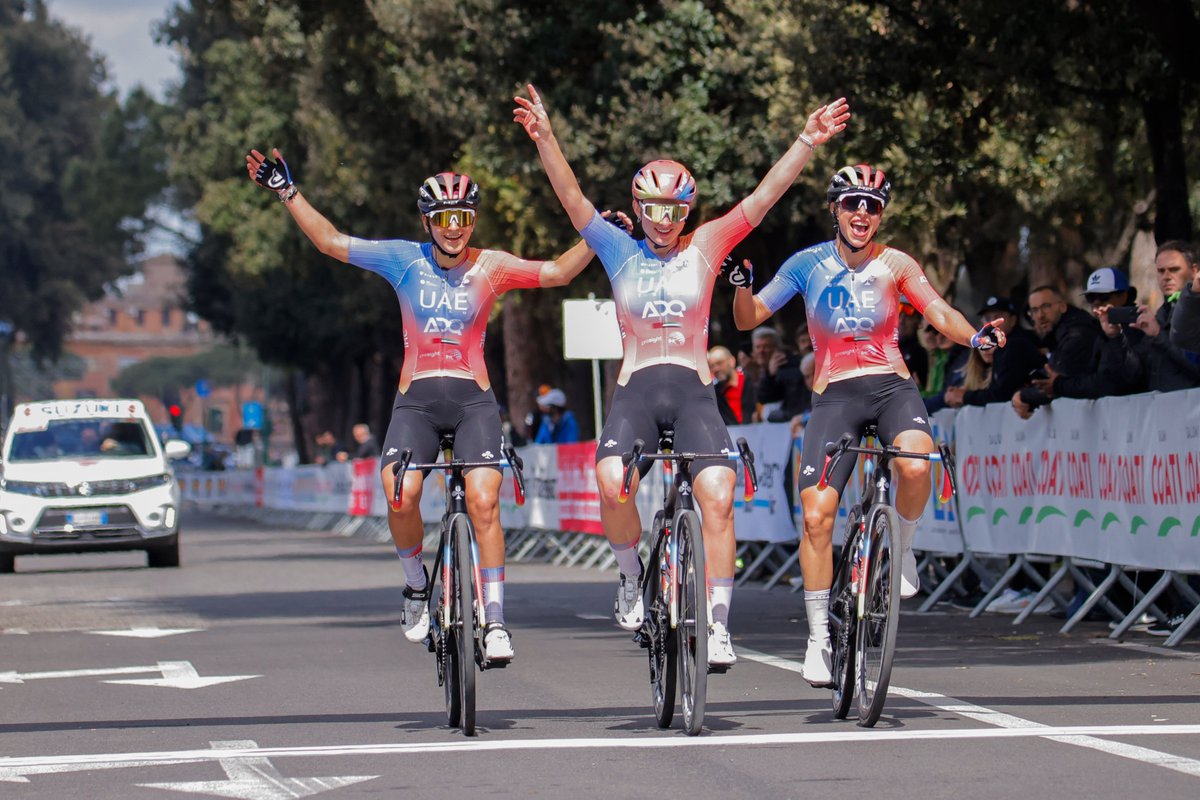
{"x":121,"y":31}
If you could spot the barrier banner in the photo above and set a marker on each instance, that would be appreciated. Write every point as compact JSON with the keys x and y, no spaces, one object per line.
{"x":1115,"y":480}
{"x":309,"y":488}
{"x":579,"y":499}
{"x":768,"y":517}
{"x":364,"y":485}
{"x":541,"y":509}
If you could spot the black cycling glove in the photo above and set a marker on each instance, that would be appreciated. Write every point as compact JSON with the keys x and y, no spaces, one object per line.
{"x":274,"y":175}
{"x":739,"y":274}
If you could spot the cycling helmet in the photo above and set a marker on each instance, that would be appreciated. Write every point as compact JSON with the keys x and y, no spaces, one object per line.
{"x":447,"y":190}
{"x":861,"y":179}
{"x":664,"y":180}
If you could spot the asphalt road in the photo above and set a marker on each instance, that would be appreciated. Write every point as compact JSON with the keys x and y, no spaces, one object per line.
{"x":271,"y":665}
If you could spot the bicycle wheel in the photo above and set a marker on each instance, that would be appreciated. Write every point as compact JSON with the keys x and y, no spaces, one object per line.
{"x":466,"y":624}
{"x":692,"y":630}
{"x":881,"y":614}
{"x":843,"y":617}
{"x":657,"y":630}
{"x":446,"y":647}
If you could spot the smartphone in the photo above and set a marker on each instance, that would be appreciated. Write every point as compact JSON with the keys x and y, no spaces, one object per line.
{"x":1038,"y":374}
{"x":1122,"y":315}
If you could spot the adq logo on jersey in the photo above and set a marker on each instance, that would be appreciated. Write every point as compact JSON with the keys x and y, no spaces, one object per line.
{"x":662,"y":309}
{"x":443,"y":325}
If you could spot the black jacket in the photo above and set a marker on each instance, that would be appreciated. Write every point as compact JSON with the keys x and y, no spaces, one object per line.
{"x":1115,"y":370}
{"x":1070,"y":344}
{"x":1010,"y":369}
{"x":1166,"y":367}
{"x":748,"y":401}
{"x":786,"y":385}
{"x":1185,"y":321}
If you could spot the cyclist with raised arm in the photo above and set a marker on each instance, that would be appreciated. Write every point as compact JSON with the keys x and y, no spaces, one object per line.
{"x":446,"y":289}
{"x":851,"y":287}
{"x":663,"y":288}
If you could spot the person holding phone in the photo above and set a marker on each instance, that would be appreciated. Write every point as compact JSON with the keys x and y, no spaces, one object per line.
{"x":1068,"y":335}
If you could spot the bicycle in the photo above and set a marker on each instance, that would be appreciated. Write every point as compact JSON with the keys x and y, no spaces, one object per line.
{"x":673,"y":587}
{"x":456,"y":629}
{"x":864,"y":601}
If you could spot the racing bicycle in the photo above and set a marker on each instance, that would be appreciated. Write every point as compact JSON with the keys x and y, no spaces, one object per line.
{"x":674,"y":591}
{"x":864,"y":601}
{"x":456,"y":629}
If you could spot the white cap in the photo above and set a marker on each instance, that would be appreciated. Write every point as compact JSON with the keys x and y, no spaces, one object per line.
{"x":554,"y":397}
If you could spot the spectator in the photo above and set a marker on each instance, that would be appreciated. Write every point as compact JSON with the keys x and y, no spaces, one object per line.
{"x":1114,"y":370}
{"x":1069,"y":336}
{"x":782,"y":382}
{"x":735,"y":396}
{"x":1167,"y":367}
{"x":947,"y":367}
{"x":1007,"y":369}
{"x":1185,"y":319}
{"x":558,"y":424}
{"x":764,"y":343}
{"x":533,"y":420}
{"x":329,"y":449}
{"x":365,"y":445}
{"x":511,"y":433}
{"x":808,"y":368}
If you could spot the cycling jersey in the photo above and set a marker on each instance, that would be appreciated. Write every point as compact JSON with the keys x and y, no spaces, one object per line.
{"x":663,"y":304}
{"x":444,"y":312}
{"x":852,"y":314}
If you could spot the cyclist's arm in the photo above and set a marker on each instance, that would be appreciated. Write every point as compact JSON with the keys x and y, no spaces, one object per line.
{"x":950,"y":322}
{"x":751,"y":310}
{"x":319,"y":230}
{"x":563,"y":269}
{"x":531,"y":115}
{"x":821,"y":126}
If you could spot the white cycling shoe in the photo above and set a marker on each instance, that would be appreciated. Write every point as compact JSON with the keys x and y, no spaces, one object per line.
{"x":720,"y":648}
{"x":497,"y":644}
{"x":629,"y":609}
{"x":414,"y":614}
{"x":910,"y":580}
{"x":818,"y":660}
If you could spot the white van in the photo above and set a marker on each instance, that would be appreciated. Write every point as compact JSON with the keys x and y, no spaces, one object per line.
{"x":83,"y":475}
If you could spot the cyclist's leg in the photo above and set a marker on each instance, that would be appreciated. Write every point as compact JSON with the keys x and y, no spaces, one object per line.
{"x":412,"y":428}
{"x":840,"y":409}
{"x":478,"y":437}
{"x":629,"y":419}
{"x":903,"y":421}
{"x":700,"y":429}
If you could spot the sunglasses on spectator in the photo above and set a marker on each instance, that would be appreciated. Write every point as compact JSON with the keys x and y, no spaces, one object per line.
{"x":462,"y":217}
{"x":853,"y":203}
{"x":1099,"y":297}
{"x":659,"y":213}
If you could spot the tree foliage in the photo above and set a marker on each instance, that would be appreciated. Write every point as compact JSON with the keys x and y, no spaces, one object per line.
{"x":78,"y":170}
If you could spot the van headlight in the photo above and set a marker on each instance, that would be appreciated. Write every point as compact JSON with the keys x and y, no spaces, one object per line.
{"x":151,"y":482}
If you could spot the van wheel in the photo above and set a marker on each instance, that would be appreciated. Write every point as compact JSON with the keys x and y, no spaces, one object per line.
{"x":166,"y":556}
{"x":8,"y":563}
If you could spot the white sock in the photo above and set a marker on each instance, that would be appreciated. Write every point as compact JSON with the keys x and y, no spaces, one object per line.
{"x":493,"y":593}
{"x":816,"y":604}
{"x":908,"y":530}
{"x":720,"y":595}
{"x":414,"y":566}
{"x":627,"y":558}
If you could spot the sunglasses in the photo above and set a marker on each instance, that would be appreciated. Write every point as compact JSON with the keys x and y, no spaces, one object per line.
{"x":463,"y":217}
{"x":853,"y":203}
{"x":659,"y":213}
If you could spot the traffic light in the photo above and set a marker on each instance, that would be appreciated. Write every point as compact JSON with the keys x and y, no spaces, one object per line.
{"x":176,"y":413}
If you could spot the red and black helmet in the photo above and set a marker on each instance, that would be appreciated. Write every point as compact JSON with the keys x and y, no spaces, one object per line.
{"x":862,"y":180}
{"x":447,"y":190}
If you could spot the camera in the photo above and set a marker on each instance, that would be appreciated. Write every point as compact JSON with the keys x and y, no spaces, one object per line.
{"x":1122,"y":315}
{"x":1038,"y":374}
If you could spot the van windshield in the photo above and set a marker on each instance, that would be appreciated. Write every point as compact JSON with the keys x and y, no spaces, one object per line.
{"x":82,"y":438}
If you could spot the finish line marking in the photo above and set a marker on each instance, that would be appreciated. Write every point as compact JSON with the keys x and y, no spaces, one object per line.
{"x":1008,"y":722}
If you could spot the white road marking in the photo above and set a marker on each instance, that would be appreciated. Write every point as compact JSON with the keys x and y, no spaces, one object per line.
{"x":1188,"y":766}
{"x":256,"y":778}
{"x":175,"y":674}
{"x":146,"y":633}
{"x":11,"y":768}
{"x":603,"y":617}
{"x":15,"y":632}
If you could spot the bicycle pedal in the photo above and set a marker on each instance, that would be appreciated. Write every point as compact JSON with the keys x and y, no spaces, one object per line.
{"x":718,"y":669}
{"x":641,"y":640}
{"x":499,"y":664}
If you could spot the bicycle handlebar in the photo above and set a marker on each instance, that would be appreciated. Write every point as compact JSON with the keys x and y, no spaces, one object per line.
{"x":835,"y":450}
{"x":511,"y":460}
{"x":637,"y":454}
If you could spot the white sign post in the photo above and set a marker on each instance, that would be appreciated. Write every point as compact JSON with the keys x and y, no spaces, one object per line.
{"x":591,"y":332}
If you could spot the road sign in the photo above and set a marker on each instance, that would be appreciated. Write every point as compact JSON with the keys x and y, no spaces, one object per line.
{"x":203,"y":389}
{"x":252,"y":415}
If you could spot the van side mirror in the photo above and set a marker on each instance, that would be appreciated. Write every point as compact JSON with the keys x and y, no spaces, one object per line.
{"x":177,"y":448}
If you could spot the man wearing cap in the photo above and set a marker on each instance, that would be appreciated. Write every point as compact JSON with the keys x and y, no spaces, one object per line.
{"x":558,"y":424}
{"x":1011,"y":365}
{"x":1068,"y":334}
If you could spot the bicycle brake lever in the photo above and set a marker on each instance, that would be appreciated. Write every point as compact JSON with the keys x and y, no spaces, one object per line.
{"x":398,"y":470}
{"x":518,"y":466}
{"x":748,"y":465}
{"x":630,"y":460}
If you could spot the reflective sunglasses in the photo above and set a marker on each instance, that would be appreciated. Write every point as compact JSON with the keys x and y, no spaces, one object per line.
{"x":464,"y":217}
{"x":855,"y":202}
{"x":659,"y":213}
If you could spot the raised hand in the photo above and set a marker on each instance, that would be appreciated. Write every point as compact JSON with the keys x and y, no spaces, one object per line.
{"x":531,"y":115}
{"x":827,"y":121}
{"x":273,"y":175}
{"x":620,"y":219}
